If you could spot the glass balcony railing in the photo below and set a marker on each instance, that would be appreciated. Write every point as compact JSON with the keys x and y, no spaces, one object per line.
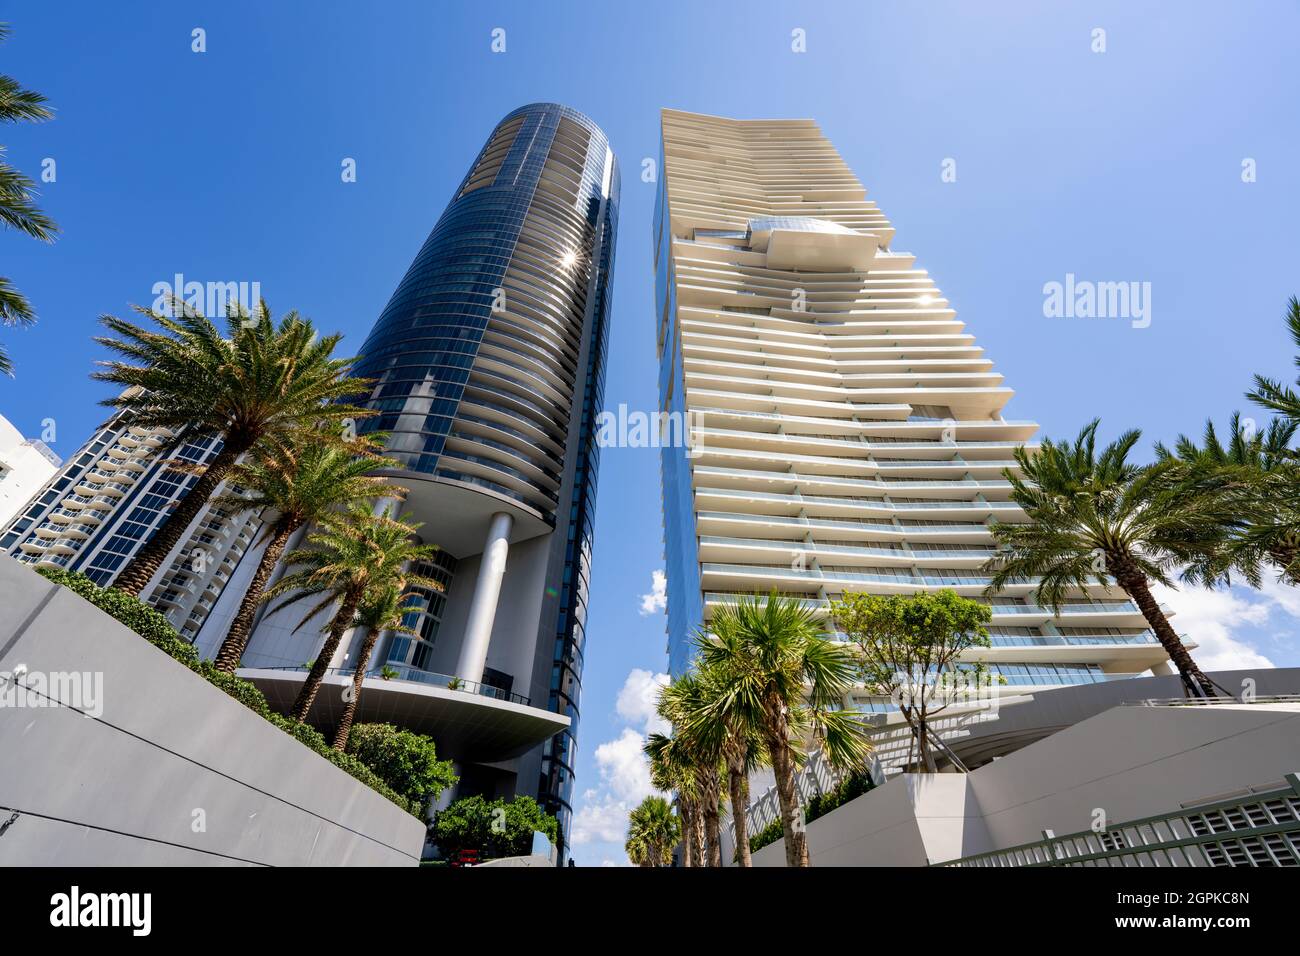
{"x":415,"y":675}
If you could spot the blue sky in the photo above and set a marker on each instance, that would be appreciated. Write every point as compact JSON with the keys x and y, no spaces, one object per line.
{"x":1124,"y":165}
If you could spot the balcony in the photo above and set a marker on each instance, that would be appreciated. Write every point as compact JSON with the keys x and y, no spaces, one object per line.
{"x":471,"y":721}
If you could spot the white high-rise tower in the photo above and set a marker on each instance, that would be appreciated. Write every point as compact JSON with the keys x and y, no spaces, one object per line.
{"x":850,"y":431}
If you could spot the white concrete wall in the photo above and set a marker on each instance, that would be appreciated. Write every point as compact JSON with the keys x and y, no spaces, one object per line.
{"x":1134,"y":762}
{"x":124,"y":779}
{"x":1130,"y":762}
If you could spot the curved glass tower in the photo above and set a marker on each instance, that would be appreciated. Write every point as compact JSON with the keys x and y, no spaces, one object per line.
{"x":488,"y":366}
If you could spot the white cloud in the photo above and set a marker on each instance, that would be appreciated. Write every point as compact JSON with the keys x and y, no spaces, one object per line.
{"x":637,"y":699}
{"x":1284,"y":596}
{"x":657,"y":598}
{"x":600,"y":822}
{"x":1211,"y":618}
{"x":624,"y":768}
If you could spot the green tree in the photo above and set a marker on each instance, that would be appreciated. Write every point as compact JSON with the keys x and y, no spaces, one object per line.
{"x":295,"y":487}
{"x":782,"y":675}
{"x":911,"y":648}
{"x":726,"y":732}
{"x":652,"y":832}
{"x":406,"y":761}
{"x":1094,"y":517}
{"x":493,"y":827}
{"x":680,"y":703}
{"x":382,"y":609}
{"x":671,"y":772}
{"x":18,"y":209}
{"x":1272,"y":394}
{"x":352,"y":553}
{"x":1258,"y":476}
{"x":256,"y":386}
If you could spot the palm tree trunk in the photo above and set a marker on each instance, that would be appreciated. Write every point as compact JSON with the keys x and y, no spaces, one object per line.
{"x":738,"y":784}
{"x":687,"y":813}
{"x":701,"y":859}
{"x":1134,"y":583}
{"x":232,"y":648}
{"x":783,"y":769}
{"x":139,"y":571}
{"x":358,"y":675}
{"x":338,"y":625}
{"x":713,"y":835}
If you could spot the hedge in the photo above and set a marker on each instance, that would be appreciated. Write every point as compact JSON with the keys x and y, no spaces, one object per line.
{"x":850,"y":788}
{"x":158,"y":631}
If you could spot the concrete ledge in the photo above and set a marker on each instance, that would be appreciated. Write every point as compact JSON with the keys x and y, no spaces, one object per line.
{"x":165,"y":769}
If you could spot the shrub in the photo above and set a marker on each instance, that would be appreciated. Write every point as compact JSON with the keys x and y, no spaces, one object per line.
{"x":769,"y":834}
{"x":850,"y":788}
{"x":157,"y":630}
{"x":141,"y":618}
{"x":405,"y":761}
{"x":493,"y":827}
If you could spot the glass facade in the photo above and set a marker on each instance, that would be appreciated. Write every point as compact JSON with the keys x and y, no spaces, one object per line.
{"x":489,"y":371}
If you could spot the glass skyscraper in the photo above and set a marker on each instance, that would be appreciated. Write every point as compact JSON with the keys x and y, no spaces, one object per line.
{"x":488,"y":366}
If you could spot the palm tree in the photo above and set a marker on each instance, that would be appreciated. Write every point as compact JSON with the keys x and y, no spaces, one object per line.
{"x":1094,"y":517}
{"x":776,"y":671}
{"x":18,"y":209}
{"x":312,"y":478}
{"x":258,"y":384}
{"x":738,"y":742}
{"x":653,"y":831}
{"x":672,"y":773}
{"x":1258,"y":473}
{"x":637,"y":850}
{"x":351,"y":554}
{"x":381,"y":610}
{"x":679,"y":703}
{"x":1272,"y":394}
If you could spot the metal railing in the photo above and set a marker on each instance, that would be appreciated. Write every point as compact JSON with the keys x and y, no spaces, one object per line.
{"x":1212,"y":701}
{"x":417,"y":676}
{"x":1253,"y":829}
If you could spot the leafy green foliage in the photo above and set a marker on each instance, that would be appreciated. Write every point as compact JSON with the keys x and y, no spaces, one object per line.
{"x":406,"y":761}
{"x":154,"y":627}
{"x":1096,"y":516}
{"x":653,"y":830}
{"x":850,"y":788}
{"x":150,"y":624}
{"x":769,"y":834}
{"x":18,"y":209}
{"x":493,"y":827}
{"x":912,"y":643}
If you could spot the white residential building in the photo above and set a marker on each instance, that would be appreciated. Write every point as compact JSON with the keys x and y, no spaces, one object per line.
{"x":849,"y":432}
{"x":25,"y":465}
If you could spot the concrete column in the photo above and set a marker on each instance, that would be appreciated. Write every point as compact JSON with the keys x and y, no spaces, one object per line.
{"x":483,"y":608}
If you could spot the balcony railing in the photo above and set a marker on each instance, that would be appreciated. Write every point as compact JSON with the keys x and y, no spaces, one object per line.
{"x":417,"y":676}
